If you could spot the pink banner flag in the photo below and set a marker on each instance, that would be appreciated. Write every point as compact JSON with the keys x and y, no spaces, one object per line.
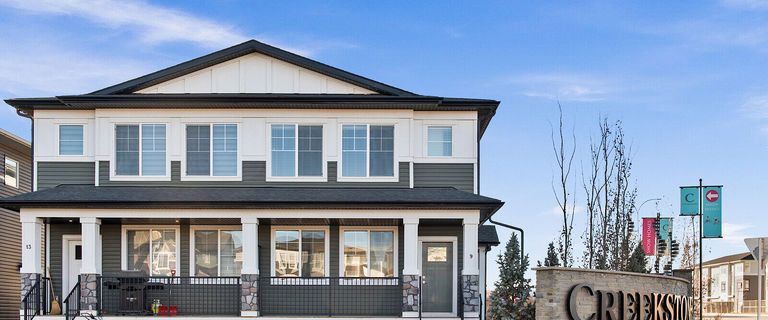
{"x":649,"y":237}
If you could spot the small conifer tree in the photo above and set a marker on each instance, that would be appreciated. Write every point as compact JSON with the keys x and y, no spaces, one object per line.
{"x":512,"y":297}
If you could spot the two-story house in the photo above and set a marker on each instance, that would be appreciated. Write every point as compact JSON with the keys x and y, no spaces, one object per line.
{"x":732,"y":284}
{"x":15,"y":179}
{"x":256,"y":182}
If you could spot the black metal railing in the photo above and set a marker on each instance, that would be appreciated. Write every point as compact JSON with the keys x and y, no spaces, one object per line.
{"x":200,"y":296}
{"x":37,"y":300}
{"x":330,"y":296}
{"x":71,"y":303}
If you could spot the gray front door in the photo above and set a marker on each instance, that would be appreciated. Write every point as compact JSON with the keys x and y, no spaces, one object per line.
{"x":437,"y":276}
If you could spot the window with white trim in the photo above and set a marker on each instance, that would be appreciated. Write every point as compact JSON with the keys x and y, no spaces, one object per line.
{"x":11,"y":176}
{"x":71,"y":140}
{"x":140,"y":150}
{"x":439,"y":141}
{"x":368,"y":252}
{"x":216,"y":252}
{"x":211,"y":149}
{"x":297,"y":150}
{"x":300,"y":252}
{"x":368,"y":151}
{"x":152,"y":250}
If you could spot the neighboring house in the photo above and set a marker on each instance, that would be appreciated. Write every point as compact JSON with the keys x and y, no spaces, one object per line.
{"x":731,"y":284}
{"x":15,"y":179}
{"x":255,"y":182}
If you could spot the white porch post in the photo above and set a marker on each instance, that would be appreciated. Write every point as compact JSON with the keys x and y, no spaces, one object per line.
{"x":90,"y":269}
{"x":249,"y":302}
{"x":411,"y":273}
{"x":31,"y":270}
{"x":470,"y":273}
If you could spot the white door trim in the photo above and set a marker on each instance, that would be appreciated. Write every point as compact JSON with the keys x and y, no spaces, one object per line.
{"x":455,"y":241}
{"x":65,"y":239}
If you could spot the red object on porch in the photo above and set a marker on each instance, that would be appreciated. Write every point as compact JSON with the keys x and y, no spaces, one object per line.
{"x":170,"y":311}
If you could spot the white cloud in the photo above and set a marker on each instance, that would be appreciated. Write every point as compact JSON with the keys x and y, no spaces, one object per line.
{"x":735,"y":233}
{"x":563,"y":87}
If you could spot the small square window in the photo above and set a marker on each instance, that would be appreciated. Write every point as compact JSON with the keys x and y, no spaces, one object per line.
{"x":71,"y":140}
{"x":440,"y":141}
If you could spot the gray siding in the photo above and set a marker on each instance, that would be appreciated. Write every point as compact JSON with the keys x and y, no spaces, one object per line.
{"x":51,"y":174}
{"x":458,"y":175}
{"x":254,"y":175}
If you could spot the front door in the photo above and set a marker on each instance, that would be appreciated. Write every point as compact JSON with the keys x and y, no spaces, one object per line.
{"x":437,"y":277}
{"x":74,"y":260}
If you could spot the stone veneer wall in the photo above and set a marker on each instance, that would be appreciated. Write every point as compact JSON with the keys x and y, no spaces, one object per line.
{"x":88,"y":294}
{"x":470,"y":293}
{"x":554,"y":283}
{"x":27,"y":281}
{"x":411,"y":287}
{"x":249,"y":296}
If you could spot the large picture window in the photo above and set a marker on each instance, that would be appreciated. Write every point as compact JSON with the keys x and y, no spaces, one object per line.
{"x":71,"y":140}
{"x":368,"y":151}
{"x":368,"y":253}
{"x":300,"y":253}
{"x":297,"y":150}
{"x":140,"y":150}
{"x":212,"y":150}
{"x":217,"y":252}
{"x":152,"y":250}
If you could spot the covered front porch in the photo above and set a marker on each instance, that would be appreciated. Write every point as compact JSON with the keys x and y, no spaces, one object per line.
{"x":226,"y":263}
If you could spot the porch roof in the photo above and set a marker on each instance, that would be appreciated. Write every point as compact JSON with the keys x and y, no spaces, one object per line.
{"x":89,"y":196}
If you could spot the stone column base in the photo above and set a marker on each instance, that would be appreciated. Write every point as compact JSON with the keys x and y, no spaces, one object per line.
{"x":471,"y":295}
{"x":28,"y":280}
{"x":249,"y":295}
{"x":411,"y":289}
{"x":89,"y":299}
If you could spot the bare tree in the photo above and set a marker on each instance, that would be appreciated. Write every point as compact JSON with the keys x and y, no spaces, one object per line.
{"x":564,"y":156}
{"x":592,"y":191}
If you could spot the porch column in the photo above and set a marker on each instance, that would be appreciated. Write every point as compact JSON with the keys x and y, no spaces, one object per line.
{"x":411,"y":274}
{"x":249,"y":301}
{"x":470,"y":273}
{"x":31,"y":270}
{"x":90,"y":269}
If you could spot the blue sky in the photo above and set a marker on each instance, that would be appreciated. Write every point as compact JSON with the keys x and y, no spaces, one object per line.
{"x":688,"y":79}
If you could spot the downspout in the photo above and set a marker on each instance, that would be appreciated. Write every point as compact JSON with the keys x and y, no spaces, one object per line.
{"x":522,"y":235}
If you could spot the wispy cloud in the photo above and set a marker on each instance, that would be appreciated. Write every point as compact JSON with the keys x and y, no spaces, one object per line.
{"x":563,"y":87}
{"x":757,"y":107}
{"x":735,"y":233}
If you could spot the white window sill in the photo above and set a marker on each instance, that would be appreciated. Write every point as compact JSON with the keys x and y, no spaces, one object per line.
{"x":368,"y":179}
{"x":288,"y":281}
{"x":297,"y":179}
{"x":369,"y":282}
{"x":211,"y":178}
{"x":140,"y":178}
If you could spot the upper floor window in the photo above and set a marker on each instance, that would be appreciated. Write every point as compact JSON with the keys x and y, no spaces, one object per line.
{"x":71,"y":140}
{"x":140,"y":149}
{"x":292,"y":156}
{"x":439,"y":141}
{"x":212,"y":150}
{"x":11,"y":176}
{"x":368,"y":151}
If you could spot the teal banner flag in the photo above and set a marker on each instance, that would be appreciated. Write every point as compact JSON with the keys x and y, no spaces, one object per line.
{"x":689,"y":201}
{"x":713,"y":212}
{"x":665,"y":228}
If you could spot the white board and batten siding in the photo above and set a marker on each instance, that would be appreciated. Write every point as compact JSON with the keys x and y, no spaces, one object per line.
{"x":256,"y":73}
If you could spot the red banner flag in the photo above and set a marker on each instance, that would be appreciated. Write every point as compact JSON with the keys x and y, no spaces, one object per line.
{"x":649,"y":236}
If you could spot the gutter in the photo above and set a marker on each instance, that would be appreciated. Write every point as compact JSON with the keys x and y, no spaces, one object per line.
{"x":522,"y":235}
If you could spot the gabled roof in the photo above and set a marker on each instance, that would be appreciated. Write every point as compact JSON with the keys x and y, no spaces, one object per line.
{"x":730,"y":258}
{"x":248,"y":47}
{"x":89,"y":196}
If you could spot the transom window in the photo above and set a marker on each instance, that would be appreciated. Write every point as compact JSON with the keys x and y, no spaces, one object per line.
{"x":212,"y":154}
{"x":439,"y":141}
{"x":140,"y":150}
{"x":217,"y":252}
{"x":11,"y":176}
{"x":368,"y":253}
{"x":300,"y":253}
{"x":71,"y":140}
{"x":292,"y":157}
{"x":152,"y":250}
{"x":368,"y":151}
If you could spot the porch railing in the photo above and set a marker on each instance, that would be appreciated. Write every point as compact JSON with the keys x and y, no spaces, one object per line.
{"x":201,"y":296}
{"x":71,"y":303}
{"x":330,"y":296}
{"x":37,"y":300}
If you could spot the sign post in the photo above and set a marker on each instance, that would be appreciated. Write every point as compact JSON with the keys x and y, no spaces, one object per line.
{"x":710,"y":221}
{"x":758,"y":247}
